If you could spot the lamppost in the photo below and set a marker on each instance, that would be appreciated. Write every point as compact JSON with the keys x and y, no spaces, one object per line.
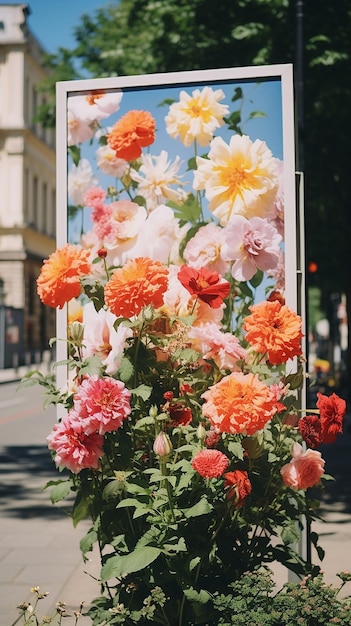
{"x":2,"y":324}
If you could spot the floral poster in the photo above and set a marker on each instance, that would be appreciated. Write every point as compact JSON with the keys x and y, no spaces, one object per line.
{"x":180,"y":345}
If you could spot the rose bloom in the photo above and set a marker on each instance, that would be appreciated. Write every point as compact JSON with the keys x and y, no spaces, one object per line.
{"x":74,"y":449}
{"x":196,"y":117}
{"x":239,"y":178}
{"x":141,"y":282}
{"x":205,"y":285}
{"x":332,"y":411}
{"x":239,"y":403}
{"x":223,"y":348}
{"x":275,"y":330}
{"x":59,"y":279}
{"x":102,"y":404}
{"x":155,"y":177}
{"x":205,"y":249}
{"x":180,"y":415}
{"x":238,"y":486}
{"x":252,"y":245}
{"x":101,"y":338}
{"x":304,"y":470}
{"x":210,"y":463}
{"x":80,"y":180}
{"x":132,"y":132}
{"x":109,"y":163}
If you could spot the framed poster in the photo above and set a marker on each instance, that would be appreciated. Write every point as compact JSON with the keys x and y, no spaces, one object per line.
{"x":198,"y":147}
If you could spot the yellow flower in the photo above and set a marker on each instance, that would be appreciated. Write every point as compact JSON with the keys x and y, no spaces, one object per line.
{"x":239,"y":178}
{"x":196,"y":116}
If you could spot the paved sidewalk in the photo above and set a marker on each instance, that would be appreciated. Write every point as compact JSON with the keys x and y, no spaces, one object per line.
{"x":40,"y":546}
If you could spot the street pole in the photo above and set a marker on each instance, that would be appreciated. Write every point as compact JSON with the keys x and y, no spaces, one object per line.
{"x":2,"y":325}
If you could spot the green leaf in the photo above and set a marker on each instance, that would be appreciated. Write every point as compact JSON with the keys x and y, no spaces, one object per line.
{"x":125,"y":370}
{"x":80,"y":509}
{"x":87,"y":542}
{"x":236,"y":449}
{"x":143,"y":392}
{"x":200,"y":508}
{"x":118,"y":566}
{"x":201,"y":596}
{"x":256,"y":280}
{"x":60,"y":490}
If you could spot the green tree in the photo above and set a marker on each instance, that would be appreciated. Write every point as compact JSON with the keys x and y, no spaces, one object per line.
{"x":149,"y":36}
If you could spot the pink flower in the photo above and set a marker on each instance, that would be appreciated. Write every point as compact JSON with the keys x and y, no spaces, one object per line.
{"x":102,"y":404}
{"x":253,"y":244}
{"x":223,"y":348}
{"x":210,"y":463}
{"x":75,"y":449}
{"x":94,"y":197}
{"x":304,"y":470}
{"x":204,"y":249}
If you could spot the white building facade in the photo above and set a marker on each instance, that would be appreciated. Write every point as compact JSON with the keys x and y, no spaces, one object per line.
{"x":28,"y":191}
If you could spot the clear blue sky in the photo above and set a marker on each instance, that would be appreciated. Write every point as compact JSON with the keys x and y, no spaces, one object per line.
{"x":53,"y":21}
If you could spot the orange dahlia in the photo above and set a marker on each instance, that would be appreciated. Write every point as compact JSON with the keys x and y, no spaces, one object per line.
{"x":141,"y":282}
{"x":134,"y":131}
{"x":275,"y":330}
{"x":59,"y":279}
{"x":239,"y":403}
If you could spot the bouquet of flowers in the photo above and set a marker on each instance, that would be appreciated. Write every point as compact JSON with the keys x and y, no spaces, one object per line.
{"x":181,"y":435}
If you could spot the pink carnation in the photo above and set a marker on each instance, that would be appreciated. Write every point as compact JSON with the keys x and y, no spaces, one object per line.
{"x":304,"y":470}
{"x":74,"y":448}
{"x":102,"y":404}
{"x":94,"y":197}
{"x":223,"y":348}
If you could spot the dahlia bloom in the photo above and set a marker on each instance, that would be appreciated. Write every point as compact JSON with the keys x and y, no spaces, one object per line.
{"x":239,"y":404}
{"x":131,"y":133}
{"x":304,"y":470}
{"x":252,"y":245}
{"x":141,"y":282}
{"x":155,"y":177}
{"x":59,"y":279}
{"x":274,"y":329}
{"x":239,"y":178}
{"x":196,"y":116}
{"x":310,"y":428}
{"x":73,"y":447}
{"x":101,"y":404}
{"x":210,"y":463}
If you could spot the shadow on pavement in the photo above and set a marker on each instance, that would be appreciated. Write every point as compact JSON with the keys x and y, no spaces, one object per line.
{"x":24,"y":472}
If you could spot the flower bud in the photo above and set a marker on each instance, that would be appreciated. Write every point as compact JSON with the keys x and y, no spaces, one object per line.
{"x":76,"y":332}
{"x":162,"y":444}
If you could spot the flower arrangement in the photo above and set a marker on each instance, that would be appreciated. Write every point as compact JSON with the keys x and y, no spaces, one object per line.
{"x":181,"y":436}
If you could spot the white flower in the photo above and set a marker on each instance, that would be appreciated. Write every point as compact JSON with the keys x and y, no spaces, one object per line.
{"x":239,"y":178}
{"x":80,"y":179}
{"x":154,"y":178}
{"x":109,"y":163}
{"x":161,"y":236}
{"x":78,"y":130}
{"x":204,"y":249}
{"x":95,"y":106}
{"x":101,"y":338}
{"x":196,"y":117}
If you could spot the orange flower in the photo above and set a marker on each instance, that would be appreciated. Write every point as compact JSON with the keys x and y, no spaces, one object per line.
{"x":275,"y":330}
{"x":239,"y":403}
{"x":134,"y":131}
{"x":59,"y":279}
{"x":205,"y":285}
{"x":238,"y":485}
{"x":141,"y":282}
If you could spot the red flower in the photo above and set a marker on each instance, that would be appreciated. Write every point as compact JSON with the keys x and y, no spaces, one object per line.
{"x":310,"y":428}
{"x":205,"y":285}
{"x":180,"y":415}
{"x":332,"y":411}
{"x":238,"y":485}
{"x":210,"y":463}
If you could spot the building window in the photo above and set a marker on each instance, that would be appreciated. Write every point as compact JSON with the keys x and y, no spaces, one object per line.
{"x":45,"y":208}
{"x":35,"y":201}
{"x":2,"y":26}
